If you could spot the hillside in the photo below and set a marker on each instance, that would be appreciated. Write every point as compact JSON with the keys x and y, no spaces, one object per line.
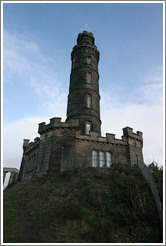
{"x":82,"y":206}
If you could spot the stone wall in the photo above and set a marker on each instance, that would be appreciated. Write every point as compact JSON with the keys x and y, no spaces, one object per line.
{"x":61,"y":146}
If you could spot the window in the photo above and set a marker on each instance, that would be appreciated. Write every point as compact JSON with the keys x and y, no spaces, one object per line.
{"x":88,"y":101}
{"x":88,"y":60}
{"x":108,"y":159}
{"x":88,"y":77}
{"x":101,"y":159}
{"x":74,"y":62}
{"x":94,"y":158}
{"x":87,"y":128}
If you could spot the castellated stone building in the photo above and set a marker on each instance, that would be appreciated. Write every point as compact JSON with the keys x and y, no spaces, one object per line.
{"x":77,"y":142}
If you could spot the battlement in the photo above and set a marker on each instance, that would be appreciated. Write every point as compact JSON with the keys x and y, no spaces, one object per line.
{"x":110,"y":138}
{"x":128,"y":133}
{"x":94,"y":136}
{"x":56,"y":123}
{"x":27,"y":145}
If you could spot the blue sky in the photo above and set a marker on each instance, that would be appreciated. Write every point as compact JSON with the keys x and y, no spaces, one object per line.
{"x":37,"y":42}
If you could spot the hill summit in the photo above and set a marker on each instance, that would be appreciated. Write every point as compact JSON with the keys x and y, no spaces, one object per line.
{"x":82,"y":206}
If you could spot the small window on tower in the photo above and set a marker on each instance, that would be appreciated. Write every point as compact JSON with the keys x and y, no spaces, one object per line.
{"x":87,"y":128}
{"x":88,"y":60}
{"x":73,"y":62}
{"x":88,"y":77}
{"x":88,"y":101}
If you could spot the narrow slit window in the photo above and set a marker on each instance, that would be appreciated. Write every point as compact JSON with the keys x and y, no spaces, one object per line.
{"x":89,"y":77}
{"x":73,"y":62}
{"x":108,"y":159}
{"x":94,"y":158}
{"x":88,"y":101}
{"x":87,"y":128}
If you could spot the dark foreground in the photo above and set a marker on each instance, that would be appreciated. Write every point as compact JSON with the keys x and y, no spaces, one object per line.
{"x":82,"y":206}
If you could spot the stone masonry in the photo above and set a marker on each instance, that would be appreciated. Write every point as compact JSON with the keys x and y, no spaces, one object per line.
{"x":77,"y":142}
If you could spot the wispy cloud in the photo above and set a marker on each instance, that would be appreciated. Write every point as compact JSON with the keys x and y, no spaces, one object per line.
{"x":154,"y":74}
{"x":24,"y":62}
{"x":142,"y":110}
{"x":13,"y":135}
{"x":25,"y":65}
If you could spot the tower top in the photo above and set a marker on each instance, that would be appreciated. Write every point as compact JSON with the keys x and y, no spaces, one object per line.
{"x":85,"y":37}
{"x":86,"y":28}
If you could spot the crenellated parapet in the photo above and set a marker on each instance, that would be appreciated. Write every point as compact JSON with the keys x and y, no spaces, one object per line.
{"x":95,"y":137}
{"x":55,"y":123}
{"x":85,"y":49}
{"x":128,"y":138}
{"x":128,"y":132}
{"x":30,"y":146}
{"x":135,"y":139}
{"x":85,"y":43}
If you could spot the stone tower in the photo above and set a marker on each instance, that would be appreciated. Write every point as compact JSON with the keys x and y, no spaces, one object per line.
{"x":84,"y":98}
{"x":77,"y":142}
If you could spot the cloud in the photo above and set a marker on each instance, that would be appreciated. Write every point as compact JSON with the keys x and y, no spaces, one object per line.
{"x":13,"y":135}
{"x":25,"y":65}
{"x":36,"y":75}
{"x":154,"y":74}
{"x":140,"y":118}
{"x":142,"y":110}
{"x":17,"y":54}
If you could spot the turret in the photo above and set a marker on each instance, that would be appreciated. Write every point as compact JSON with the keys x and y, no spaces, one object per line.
{"x":135,"y":145}
{"x":84,"y":98}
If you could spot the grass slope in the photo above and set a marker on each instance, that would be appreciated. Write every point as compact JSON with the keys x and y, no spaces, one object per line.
{"x":82,"y":206}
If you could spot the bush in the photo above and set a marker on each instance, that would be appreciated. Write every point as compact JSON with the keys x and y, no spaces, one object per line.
{"x":73,"y":210}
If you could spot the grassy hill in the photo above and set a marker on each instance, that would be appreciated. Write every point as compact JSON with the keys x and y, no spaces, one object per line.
{"x":82,"y":206}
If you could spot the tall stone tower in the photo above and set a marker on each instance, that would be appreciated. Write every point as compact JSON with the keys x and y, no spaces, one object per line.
{"x":84,"y":98}
{"x":77,"y":142}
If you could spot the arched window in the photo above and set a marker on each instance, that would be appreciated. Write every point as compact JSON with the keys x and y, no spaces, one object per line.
{"x":88,"y":77}
{"x":108,"y":159}
{"x":88,"y":60}
{"x":89,"y":101}
{"x":87,"y":128}
{"x":94,"y":158}
{"x":101,"y":159}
